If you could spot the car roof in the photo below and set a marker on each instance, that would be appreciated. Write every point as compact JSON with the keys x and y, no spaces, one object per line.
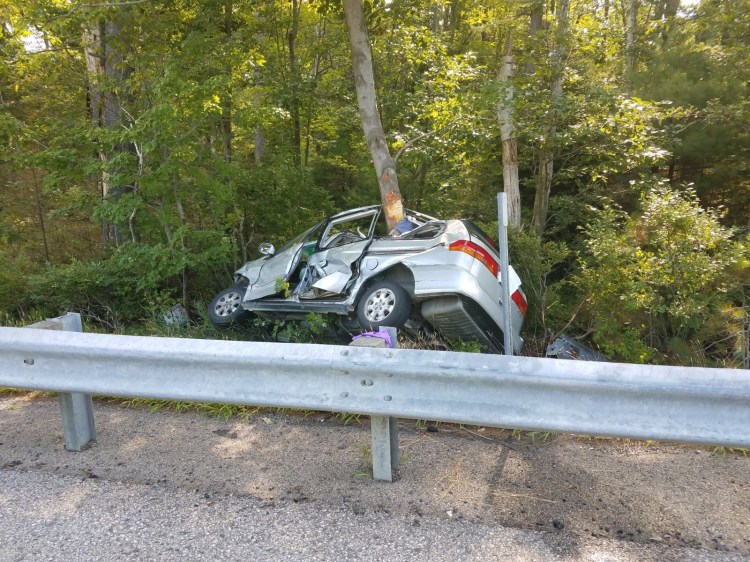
{"x":357,"y":210}
{"x":373,"y":207}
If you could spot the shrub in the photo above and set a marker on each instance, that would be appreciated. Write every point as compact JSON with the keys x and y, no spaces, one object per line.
{"x":664,"y":283}
{"x":536,"y":263}
{"x":13,"y":272}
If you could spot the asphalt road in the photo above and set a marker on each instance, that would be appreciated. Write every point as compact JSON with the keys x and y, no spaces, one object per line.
{"x":168,"y":486}
{"x":52,"y":517}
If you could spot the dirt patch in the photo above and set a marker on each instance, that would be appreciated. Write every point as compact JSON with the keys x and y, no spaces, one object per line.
{"x":642,"y":492}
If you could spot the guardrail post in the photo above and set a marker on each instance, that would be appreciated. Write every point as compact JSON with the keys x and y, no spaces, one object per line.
{"x":385,"y":455}
{"x":384,"y":429}
{"x":502,"y":242}
{"x":76,"y":409}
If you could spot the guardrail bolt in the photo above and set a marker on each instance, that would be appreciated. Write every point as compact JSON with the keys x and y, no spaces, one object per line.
{"x":367,"y":382}
{"x":388,"y":354}
{"x":387,"y":398}
{"x":345,"y":352}
{"x":28,"y":361}
{"x":344,"y":394}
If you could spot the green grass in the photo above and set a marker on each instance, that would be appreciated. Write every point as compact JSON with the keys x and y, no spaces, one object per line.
{"x":224,"y":411}
{"x":543,"y":436}
{"x":725,"y":451}
{"x":365,"y":459}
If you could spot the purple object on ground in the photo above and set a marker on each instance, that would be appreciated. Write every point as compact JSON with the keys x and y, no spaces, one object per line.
{"x":382,"y":333}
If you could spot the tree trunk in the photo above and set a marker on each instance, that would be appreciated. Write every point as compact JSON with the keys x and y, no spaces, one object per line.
{"x":536,"y":23}
{"x":632,"y":18}
{"x":40,"y":214}
{"x":364,"y":82}
{"x":546,"y":152}
{"x":294,"y":84}
{"x":508,"y":135}
{"x":259,"y":147}
{"x":107,"y":74}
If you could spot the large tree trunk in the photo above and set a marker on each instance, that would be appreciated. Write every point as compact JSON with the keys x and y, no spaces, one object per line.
{"x":546,"y":152}
{"x":508,"y":136}
{"x":107,"y":73}
{"x":364,"y":82}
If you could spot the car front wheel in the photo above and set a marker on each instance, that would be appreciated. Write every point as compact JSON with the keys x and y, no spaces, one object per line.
{"x":226,"y":308}
{"x":383,"y":303}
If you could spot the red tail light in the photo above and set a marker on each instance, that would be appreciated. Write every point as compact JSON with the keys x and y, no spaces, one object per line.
{"x":517,"y":298}
{"x":475,"y":251}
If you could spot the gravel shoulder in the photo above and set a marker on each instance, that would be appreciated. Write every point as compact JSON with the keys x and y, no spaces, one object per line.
{"x":653,"y":496}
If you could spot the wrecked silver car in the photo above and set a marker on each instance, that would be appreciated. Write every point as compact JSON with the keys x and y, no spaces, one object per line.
{"x":426,"y":272}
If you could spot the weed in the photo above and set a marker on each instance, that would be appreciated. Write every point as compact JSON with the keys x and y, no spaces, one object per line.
{"x":724,"y":451}
{"x":544,"y":436}
{"x":347,"y":417}
{"x":282,"y":286}
{"x":362,"y":473}
{"x":313,"y":329}
{"x":365,"y":459}
{"x":466,"y":346}
{"x":224,"y":411}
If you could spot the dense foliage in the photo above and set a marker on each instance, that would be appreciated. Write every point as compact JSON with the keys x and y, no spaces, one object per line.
{"x":148,"y":146}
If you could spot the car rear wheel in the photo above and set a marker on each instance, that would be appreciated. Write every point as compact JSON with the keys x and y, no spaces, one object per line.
{"x":226,"y":307}
{"x":383,"y":303}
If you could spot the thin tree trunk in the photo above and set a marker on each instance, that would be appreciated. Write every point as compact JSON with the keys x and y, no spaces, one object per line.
{"x":536,"y":23}
{"x":259,"y":148}
{"x":364,"y":81}
{"x":546,"y":153}
{"x":508,"y":135}
{"x":316,"y":76}
{"x":227,"y":149}
{"x":40,"y":214}
{"x":632,"y":18}
{"x":226,"y":97}
{"x":183,"y":245}
{"x":294,"y":103}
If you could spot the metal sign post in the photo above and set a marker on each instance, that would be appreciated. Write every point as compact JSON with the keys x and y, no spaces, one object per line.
{"x":502,"y":228}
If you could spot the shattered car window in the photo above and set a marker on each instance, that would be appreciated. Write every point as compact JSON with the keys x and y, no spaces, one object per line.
{"x":425,"y":232}
{"x":347,"y":232}
{"x":309,"y":235}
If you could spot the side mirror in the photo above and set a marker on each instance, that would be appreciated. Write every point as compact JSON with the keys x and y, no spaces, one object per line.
{"x":267,"y":249}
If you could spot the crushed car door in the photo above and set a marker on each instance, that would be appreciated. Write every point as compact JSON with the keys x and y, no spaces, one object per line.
{"x":342,"y":244}
{"x":281,"y":266}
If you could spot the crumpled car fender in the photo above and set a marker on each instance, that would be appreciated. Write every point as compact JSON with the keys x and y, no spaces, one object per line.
{"x":386,"y":267}
{"x":251,"y":271}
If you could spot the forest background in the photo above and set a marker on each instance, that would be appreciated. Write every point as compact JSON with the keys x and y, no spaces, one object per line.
{"x":148,"y":146}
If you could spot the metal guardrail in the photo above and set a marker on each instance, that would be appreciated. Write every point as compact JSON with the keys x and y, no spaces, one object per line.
{"x":694,"y":405}
{"x":76,"y":409}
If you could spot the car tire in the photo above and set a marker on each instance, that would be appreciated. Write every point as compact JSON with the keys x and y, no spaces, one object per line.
{"x":383,"y":303}
{"x":226,"y":307}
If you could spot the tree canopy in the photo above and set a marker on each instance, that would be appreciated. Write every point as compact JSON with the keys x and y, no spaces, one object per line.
{"x":148,"y":146}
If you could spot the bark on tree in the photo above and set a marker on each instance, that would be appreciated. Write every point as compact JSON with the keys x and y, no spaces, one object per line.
{"x":508,"y":136}
{"x":536,"y":23}
{"x":40,"y":214}
{"x":364,"y":81}
{"x":294,"y":85}
{"x":546,"y":152}
{"x":226,"y":97}
{"x":106,"y":69}
{"x":630,"y":35}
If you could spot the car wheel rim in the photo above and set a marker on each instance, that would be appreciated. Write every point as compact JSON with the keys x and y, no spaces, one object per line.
{"x":227,"y":304}
{"x":379,"y":305}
